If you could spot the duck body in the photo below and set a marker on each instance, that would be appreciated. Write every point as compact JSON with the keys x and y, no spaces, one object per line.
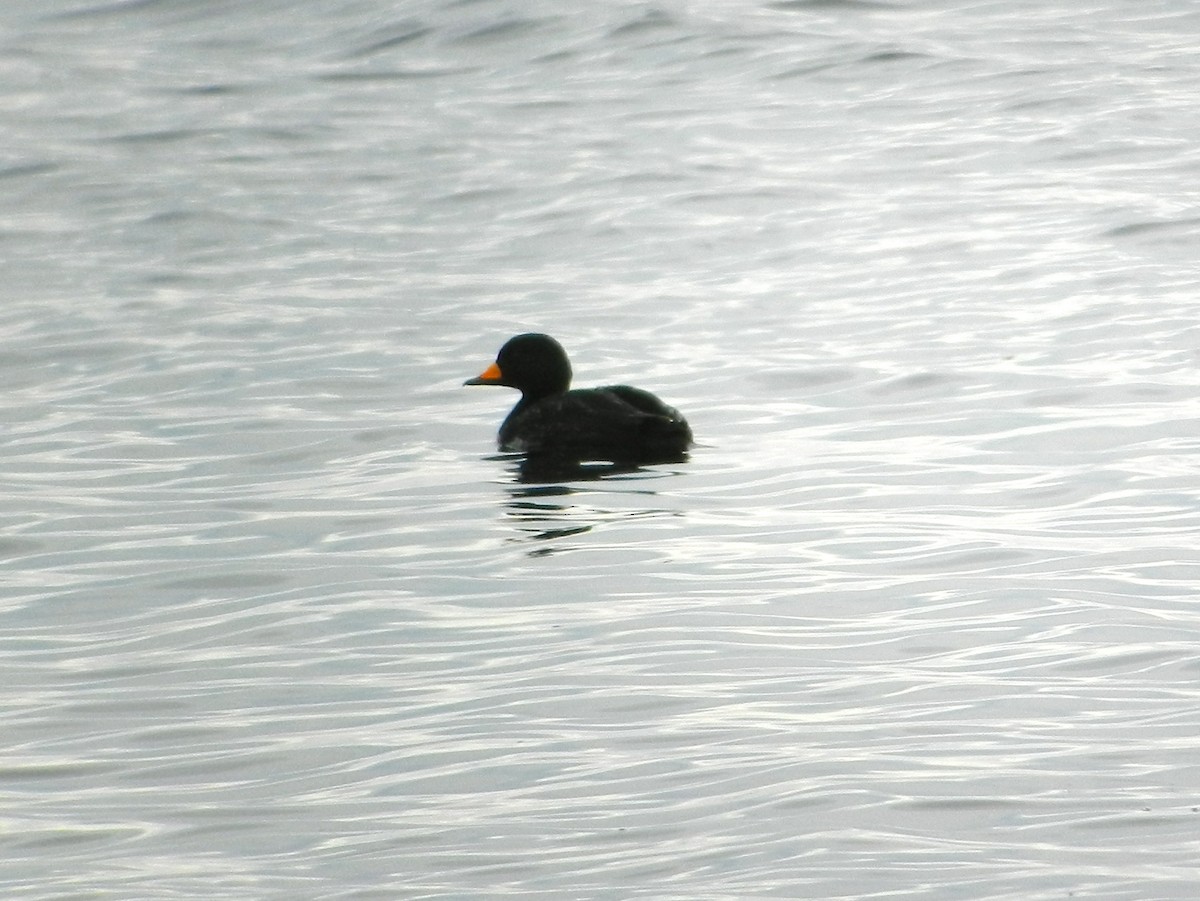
{"x":616,"y":422}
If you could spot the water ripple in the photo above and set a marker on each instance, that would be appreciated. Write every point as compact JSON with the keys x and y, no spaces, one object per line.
{"x":917,"y":615}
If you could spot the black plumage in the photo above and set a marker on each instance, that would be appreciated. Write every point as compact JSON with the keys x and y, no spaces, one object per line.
{"x":615,"y":422}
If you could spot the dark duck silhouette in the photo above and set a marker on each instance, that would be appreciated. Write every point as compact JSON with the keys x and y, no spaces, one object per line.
{"x":617,"y":422}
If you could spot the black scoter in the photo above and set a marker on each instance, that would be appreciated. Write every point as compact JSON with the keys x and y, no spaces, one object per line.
{"x":616,"y":422}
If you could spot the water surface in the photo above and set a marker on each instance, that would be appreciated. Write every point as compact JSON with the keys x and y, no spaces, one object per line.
{"x":917,"y":617}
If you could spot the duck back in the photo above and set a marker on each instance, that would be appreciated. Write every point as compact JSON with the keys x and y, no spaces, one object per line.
{"x":616,"y":422}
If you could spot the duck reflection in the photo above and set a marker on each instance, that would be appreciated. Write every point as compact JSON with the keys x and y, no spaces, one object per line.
{"x":544,"y":494}
{"x":541,"y":470}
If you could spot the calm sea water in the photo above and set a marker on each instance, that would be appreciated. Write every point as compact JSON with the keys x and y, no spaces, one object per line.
{"x":919,"y":618}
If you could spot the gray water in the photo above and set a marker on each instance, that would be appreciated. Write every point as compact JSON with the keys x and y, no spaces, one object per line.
{"x":920,"y":617}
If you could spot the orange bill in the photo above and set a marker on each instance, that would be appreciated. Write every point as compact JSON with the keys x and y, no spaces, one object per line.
{"x":490,"y":376}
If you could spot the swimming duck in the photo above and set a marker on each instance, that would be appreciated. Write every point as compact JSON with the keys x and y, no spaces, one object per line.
{"x":616,"y":422}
